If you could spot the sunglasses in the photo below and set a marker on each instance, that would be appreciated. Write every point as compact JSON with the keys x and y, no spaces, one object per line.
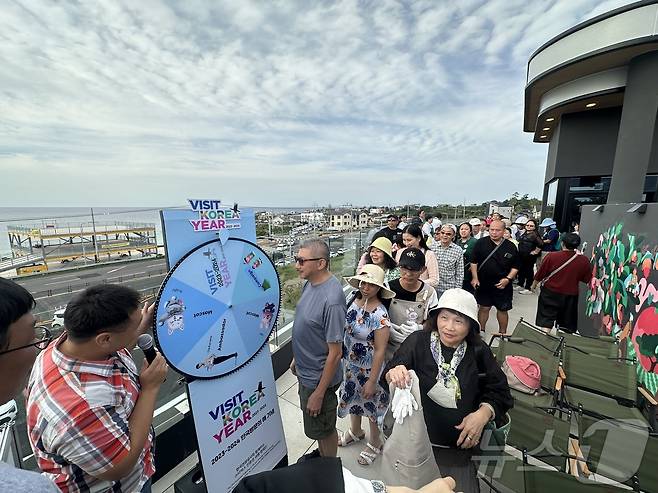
{"x":301,"y":260}
{"x":43,"y":337}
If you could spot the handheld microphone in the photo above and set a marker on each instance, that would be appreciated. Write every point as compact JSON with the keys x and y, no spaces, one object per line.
{"x":145,"y":343}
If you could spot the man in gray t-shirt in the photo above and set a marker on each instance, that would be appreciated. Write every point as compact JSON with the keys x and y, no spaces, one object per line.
{"x":317,"y":342}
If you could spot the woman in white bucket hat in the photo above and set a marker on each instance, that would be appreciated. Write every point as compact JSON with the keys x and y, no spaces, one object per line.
{"x":448,"y":357}
{"x":366,"y":337}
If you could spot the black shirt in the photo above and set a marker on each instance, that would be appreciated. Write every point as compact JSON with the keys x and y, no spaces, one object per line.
{"x":499,"y":265}
{"x":387,"y":233}
{"x":528,"y":241}
{"x":415,"y":354}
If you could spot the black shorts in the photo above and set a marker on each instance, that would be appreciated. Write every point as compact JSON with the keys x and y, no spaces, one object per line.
{"x":492,"y":296}
{"x":554,"y":307}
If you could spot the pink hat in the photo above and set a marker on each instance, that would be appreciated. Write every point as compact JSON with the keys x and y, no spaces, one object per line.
{"x":526,"y":371}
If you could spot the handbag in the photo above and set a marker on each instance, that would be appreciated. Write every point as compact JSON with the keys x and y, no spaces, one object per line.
{"x":494,"y":438}
{"x":494,"y":434}
{"x":407,"y":457}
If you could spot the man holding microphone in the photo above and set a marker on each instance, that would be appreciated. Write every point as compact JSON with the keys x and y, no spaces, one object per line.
{"x":89,"y":410}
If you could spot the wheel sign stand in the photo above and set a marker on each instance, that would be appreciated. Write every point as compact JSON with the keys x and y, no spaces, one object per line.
{"x":214,"y":315}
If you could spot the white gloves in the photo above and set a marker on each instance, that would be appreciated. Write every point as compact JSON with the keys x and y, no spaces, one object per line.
{"x":400,"y":332}
{"x":403,"y":404}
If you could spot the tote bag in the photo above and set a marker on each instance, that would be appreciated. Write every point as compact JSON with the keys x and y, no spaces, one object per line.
{"x":407,"y":457}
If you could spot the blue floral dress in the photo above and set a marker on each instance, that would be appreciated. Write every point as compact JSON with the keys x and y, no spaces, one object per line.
{"x":358,"y":354}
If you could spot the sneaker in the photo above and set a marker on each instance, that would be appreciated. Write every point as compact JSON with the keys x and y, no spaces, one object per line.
{"x":311,"y":455}
{"x":518,"y":288}
{"x":525,"y":291}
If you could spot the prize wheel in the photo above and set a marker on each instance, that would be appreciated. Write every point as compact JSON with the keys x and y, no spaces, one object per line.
{"x":217,"y":308}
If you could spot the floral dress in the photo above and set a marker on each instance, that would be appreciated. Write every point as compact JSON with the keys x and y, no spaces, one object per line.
{"x":358,"y":355}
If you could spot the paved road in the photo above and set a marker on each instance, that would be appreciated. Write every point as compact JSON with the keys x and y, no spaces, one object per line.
{"x":57,"y":288}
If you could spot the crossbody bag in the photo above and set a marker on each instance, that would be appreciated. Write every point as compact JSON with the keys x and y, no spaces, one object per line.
{"x":546,"y":279}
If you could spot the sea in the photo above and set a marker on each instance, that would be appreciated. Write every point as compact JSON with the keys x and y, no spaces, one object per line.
{"x":77,"y":216}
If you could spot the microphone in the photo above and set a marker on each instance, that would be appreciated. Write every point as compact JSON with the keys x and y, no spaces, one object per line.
{"x":145,"y":343}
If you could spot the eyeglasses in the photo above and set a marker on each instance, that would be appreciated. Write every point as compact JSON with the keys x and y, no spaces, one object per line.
{"x":42,"y":336}
{"x":301,"y":260}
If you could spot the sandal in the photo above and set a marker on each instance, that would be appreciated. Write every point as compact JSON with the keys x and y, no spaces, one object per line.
{"x":367,"y":457}
{"x":348,"y":437}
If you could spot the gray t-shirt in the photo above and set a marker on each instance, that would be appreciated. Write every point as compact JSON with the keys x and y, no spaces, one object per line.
{"x":319,"y":319}
{"x":18,"y":480}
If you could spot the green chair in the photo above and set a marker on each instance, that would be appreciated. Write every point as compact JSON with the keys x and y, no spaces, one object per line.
{"x":619,"y":450}
{"x":540,"y":432}
{"x":615,"y":378}
{"x":544,"y":356}
{"x":526,"y":330}
{"x":599,"y":406}
{"x":517,"y":475}
{"x":605,"y":346}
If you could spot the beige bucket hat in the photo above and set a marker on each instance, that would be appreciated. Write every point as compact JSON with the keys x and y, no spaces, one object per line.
{"x":372,"y":274}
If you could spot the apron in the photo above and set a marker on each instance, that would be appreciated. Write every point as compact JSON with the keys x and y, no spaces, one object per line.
{"x":401,"y":312}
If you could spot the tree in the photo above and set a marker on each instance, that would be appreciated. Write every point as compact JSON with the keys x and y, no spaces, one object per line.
{"x":648,"y":344}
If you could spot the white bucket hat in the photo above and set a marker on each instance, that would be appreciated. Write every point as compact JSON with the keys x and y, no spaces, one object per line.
{"x":461,"y":301}
{"x":521,"y":220}
{"x":475,"y":222}
{"x":546,"y":223}
{"x":372,"y":274}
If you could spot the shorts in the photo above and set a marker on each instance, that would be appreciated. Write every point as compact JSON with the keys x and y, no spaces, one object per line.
{"x":492,"y":296}
{"x":557,"y":308}
{"x":324,"y":424}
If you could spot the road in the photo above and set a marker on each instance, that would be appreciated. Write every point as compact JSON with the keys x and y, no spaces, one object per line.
{"x":55,"y":289}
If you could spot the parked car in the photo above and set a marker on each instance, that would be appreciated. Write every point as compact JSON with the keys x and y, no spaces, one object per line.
{"x":58,"y":319}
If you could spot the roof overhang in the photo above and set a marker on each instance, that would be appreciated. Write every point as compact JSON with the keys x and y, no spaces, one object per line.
{"x":585,"y":67}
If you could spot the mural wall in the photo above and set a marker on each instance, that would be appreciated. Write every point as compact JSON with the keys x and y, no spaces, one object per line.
{"x":622,"y":299}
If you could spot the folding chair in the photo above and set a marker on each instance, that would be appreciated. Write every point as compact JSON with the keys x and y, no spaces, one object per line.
{"x":619,"y":450}
{"x":605,"y":346}
{"x":612,"y":378}
{"x":517,"y":475}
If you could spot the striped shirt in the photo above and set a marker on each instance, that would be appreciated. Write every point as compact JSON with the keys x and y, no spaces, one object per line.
{"x":77,"y":420}
{"x":451,"y":266}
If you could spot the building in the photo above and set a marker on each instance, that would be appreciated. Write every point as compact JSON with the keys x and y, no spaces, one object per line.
{"x":590,"y":96}
{"x":312,"y":217}
{"x":346,"y":220}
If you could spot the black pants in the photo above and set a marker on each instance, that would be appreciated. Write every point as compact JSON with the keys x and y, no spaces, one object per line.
{"x":527,"y":270}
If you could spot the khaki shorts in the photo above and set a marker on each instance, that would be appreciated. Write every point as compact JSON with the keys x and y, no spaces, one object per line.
{"x":324,"y":424}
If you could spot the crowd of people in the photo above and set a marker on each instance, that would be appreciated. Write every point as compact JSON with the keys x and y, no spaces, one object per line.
{"x":423,"y":296}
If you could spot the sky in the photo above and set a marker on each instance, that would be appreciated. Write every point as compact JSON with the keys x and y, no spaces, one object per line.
{"x":279,"y":103}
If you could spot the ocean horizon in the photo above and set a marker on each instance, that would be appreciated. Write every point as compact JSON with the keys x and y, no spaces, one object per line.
{"x":75,"y":216}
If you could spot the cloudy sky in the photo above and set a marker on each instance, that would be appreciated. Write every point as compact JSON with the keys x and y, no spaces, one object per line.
{"x":149,"y":102}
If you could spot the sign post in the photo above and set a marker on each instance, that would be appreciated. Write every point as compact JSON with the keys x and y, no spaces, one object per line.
{"x":214,"y":315}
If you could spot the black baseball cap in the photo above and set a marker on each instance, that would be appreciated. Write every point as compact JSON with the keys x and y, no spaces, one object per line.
{"x":412,"y":259}
{"x":392,"y":216}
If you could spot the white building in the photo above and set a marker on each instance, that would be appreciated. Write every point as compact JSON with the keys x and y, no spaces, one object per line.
{"x":312,"y":217}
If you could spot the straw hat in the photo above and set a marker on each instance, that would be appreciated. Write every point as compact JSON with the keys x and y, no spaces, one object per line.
{"x":384,"y":244}
{"x":372,"y":274}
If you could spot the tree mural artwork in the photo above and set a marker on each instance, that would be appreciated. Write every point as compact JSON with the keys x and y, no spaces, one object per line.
{"x":622,"y":298}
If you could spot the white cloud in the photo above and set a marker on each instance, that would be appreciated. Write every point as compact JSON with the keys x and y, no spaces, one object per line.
{"x":270,"y":103}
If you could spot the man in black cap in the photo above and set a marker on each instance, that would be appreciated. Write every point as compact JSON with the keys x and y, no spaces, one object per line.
{"x":414,"y":298}
{"x":390,"y":230}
